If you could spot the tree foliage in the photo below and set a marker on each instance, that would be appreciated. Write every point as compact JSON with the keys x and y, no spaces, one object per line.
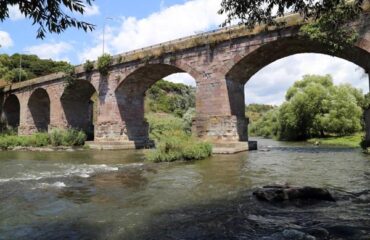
{"x":328,"y":17}
{"x":255,"y":111}
{"x":50,"y":16}
{"x":32,"y":67}
{"x":169,"y":97}
{"x":314,"y":107}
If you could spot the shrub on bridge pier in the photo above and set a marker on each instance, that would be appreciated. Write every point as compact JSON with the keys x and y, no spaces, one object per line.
{"x":104,"y":63}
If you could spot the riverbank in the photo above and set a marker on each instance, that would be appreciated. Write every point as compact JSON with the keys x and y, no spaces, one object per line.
{"x":346,"y":141}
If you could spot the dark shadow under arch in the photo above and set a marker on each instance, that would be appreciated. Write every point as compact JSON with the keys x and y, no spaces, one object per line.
{"x":11,"y":111}
{"x":78,"y":103}
{"x":39,"y":106}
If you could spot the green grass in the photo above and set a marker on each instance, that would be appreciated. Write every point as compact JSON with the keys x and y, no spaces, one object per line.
{"x":348,"y":141}
{"x":69,"y":137}
{"x":173,"y":142}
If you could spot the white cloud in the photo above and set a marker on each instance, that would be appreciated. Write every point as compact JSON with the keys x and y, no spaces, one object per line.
{"x":92,"y":10}
{"x":14,"y":13}
{"x":168,"y":24}
{"x":55,"y":51}
{"x":184,"y":78}
{"x":5,"y":40}
{"x":270,"y":84}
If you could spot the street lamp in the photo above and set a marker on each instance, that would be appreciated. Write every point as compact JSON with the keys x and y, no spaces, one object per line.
{"x":107,"y":18}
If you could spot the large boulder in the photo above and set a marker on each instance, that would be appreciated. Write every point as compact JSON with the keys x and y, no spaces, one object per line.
{"x":280,"y":193}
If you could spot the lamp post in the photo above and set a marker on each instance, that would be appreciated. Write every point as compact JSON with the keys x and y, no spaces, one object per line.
{"x":107,"y":18}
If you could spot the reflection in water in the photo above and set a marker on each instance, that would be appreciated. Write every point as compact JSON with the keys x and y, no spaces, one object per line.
{"x":116,"y":195}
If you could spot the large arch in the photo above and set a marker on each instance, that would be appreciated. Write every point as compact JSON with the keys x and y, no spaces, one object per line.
{"x":244,"y":69}
{"x":39,"y":106}
{"x":130,"y":95}
{"x":11,"y":111}
{"x":79,"y":101}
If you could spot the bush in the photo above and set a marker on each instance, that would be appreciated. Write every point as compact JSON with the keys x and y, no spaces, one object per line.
{"x":69,"y":137}
{"x":57,"y":137}
{"x":173,"y":142}
{"x":179,"y":147}
{"x":88,"y":66}
{"x":35,"y":140}
{"x":104,"y":63}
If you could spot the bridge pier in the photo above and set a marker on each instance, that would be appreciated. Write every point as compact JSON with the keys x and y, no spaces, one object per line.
{"x":220,"y":110}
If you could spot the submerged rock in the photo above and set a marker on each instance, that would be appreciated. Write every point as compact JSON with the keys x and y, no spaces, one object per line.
{"x":290,"y":234}
{"x":295,"y":235}
{"x":286,"y":193}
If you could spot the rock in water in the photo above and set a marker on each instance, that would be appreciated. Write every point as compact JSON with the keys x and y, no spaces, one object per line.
{"x":287,"y":193}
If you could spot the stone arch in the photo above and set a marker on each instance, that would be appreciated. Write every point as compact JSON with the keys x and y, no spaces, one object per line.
{"x":130,"y":95}
{"x":250,"y":64}
{"x":239,"y":74}
{"x":79,"y":101}
{"x":39,"y":106}
{"x":11,"y":111}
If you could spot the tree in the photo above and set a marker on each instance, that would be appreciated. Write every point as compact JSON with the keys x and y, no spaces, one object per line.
{"x":49,"y":15}
{"x":32,"y":67}
{"x":328,"y":17}
{"x":314,"y":107}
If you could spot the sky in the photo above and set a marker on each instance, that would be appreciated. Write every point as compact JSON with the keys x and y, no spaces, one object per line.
{"x":135,"y":24}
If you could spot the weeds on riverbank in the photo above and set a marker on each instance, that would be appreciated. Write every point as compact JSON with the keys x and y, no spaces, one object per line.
{"x":173,"y":142}
{"x":57,"y":137}
{"x":347,"y":141}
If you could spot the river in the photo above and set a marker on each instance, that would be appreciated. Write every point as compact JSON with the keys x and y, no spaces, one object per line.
{"x":117,"y":195}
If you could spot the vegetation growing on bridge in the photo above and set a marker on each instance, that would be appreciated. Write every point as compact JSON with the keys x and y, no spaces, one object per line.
{"x":104,"y":63}
{"x":314,"y":107}
{"x":32,"y":67}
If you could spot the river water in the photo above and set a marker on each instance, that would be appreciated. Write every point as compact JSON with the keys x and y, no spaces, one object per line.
{"x":116,"y":195}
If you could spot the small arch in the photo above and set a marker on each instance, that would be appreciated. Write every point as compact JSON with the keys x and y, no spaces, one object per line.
{"x":39,"y":106}
{"x":11,"y":111}
{"x":79,"y":101}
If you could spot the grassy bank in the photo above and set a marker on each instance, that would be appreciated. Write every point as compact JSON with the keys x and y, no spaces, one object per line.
{"x":55,"y":138}
{"x":348,"y":141}
{"x":174,"y":141}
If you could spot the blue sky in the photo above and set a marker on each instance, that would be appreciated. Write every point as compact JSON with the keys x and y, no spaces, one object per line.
{"x":141,"y":23}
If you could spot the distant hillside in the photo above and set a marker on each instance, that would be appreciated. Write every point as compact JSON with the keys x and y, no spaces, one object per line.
{"x":32,"y":67}
{"x":256,"y":111}
{"x":168,"y":97}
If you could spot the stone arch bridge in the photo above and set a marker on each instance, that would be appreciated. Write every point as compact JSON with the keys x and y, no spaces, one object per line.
{"x":221,"y":62}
